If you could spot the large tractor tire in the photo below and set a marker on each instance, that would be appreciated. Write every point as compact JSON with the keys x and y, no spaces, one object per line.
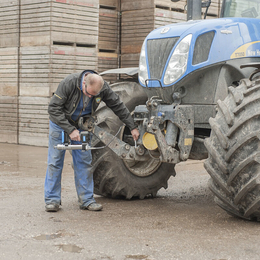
{"x":234,"y":151}
{"x":117,"y":178}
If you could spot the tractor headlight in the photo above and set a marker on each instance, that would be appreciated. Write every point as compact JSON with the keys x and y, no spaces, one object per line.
{"x":178,"y":62}
{"x":143,"y":72}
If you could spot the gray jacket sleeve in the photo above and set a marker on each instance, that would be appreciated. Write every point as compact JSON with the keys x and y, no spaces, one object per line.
{"x":56,"y":108}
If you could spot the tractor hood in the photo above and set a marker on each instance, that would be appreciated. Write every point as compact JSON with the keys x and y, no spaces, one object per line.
{"x":172,"y":30}
{"x":171,"y":52}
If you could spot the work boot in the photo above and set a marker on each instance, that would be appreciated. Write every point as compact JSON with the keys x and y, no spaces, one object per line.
{"x":93,"y":207}
{"x":53,"y":207}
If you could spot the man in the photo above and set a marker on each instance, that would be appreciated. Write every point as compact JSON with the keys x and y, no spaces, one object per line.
{"x":77,"y":95}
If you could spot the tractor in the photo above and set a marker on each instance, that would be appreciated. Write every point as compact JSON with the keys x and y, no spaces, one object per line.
{"x":196,"y":96}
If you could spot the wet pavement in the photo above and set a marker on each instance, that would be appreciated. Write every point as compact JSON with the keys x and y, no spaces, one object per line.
{"x":182,"y":223}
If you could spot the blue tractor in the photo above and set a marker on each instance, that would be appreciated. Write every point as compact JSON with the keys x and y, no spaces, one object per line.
{"x":197,"y":96}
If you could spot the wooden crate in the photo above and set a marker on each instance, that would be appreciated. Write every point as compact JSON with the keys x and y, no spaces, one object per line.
{"x":8,"y":119}
{"x":107,"y":61}
{"x":35,"y":22}
{"x":108,"y":36}
{"x":33,"y":121}
{"x":8,"y":71}
{"x":75,"y":21}
{"x":57,"y":37}
{"x":9,"y":23}
{"x":68,"y":21}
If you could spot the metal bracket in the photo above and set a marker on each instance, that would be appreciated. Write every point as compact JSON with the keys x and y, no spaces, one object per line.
{"x":119,"y":147}
{"x":168,"y":153}
{"x":181,"y":116}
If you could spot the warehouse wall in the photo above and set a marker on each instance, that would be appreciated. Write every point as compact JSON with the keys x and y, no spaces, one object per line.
{"x":43,"y":41}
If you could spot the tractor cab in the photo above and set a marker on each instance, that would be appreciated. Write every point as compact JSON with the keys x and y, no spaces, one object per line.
{"x":229,"y":8}
{"x":240,"y":8}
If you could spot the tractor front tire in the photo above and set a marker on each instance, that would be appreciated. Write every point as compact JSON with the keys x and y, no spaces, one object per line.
{"x":117,"y":178}
{"x":234,"y":151}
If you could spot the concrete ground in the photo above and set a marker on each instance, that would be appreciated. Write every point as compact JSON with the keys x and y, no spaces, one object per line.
{"x":183,"y":222}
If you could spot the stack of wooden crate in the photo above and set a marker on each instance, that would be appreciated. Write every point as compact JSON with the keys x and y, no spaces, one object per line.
{"x":108,"y":37}
{"x":9,"y":43}
{"x":56,"y":38}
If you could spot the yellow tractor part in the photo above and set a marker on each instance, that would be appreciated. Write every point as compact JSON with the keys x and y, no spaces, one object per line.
{"x":149,"y":141}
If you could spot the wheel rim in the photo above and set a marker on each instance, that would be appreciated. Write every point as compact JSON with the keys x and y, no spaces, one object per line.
{"x":139,"y":168}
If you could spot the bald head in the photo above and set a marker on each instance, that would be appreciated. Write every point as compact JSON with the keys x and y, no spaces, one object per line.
{"x":93,"y":84}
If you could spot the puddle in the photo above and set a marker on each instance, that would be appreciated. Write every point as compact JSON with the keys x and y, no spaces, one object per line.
{"x":48,"y":237}
{"x":70,"y":248}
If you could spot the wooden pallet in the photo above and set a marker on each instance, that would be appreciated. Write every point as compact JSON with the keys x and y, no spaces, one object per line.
{"x":9,"y":23}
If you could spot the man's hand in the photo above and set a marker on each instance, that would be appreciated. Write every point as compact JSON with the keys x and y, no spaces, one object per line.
{"x":135,"y":134}
{"x":75,"y":136}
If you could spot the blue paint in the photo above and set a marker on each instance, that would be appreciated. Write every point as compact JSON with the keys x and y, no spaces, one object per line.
{"x":231,"y":34}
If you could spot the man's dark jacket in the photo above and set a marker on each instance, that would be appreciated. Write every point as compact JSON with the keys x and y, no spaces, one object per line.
{"x":67,"y":97}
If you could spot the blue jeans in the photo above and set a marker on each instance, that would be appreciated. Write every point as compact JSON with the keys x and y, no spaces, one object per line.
{"x":82,"y":165}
